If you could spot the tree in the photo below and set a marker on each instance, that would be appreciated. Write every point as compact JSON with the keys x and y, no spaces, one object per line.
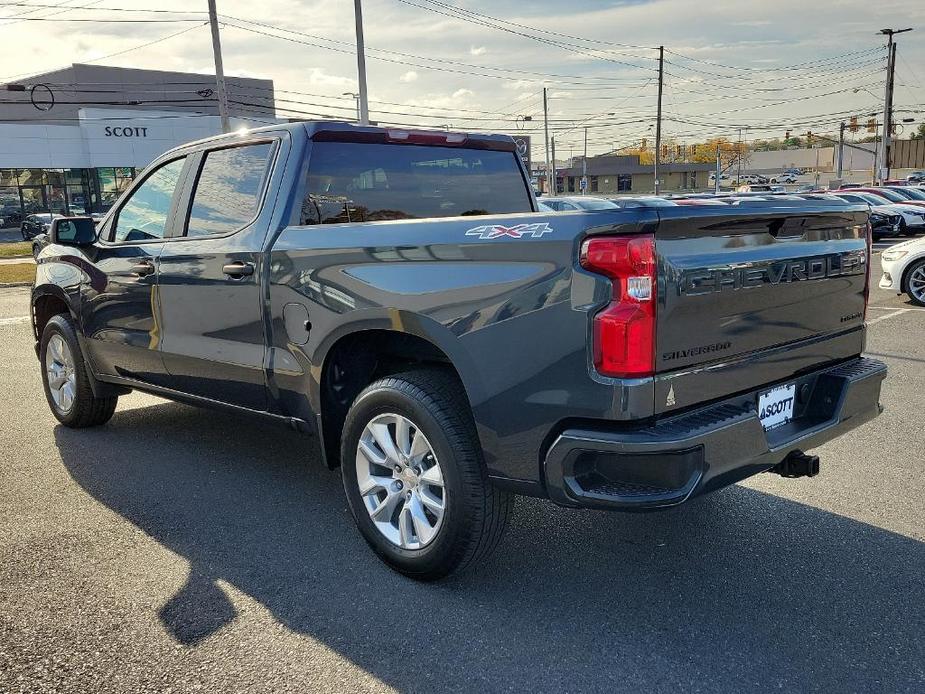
{"x":919,"y":134}
{"x":729,"y":152}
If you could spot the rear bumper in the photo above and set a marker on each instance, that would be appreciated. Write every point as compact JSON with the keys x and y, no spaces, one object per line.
{"x":677,"y":458}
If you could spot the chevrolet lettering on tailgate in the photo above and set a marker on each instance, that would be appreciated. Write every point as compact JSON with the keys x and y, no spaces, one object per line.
{"x":709,"y":280}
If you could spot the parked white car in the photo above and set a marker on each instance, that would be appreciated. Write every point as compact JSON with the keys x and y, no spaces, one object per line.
{"x":904,"y":270}
{"x":783,"y":178}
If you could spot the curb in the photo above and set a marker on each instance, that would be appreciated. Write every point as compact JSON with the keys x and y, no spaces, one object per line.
{"x":5,"y":285}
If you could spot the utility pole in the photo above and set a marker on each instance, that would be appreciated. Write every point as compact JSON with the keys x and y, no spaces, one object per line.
{"x":584,"y":166}
{"x":361,"y":63}
{"x":658,"y":117}
{"x":546,"y":140}
{"x":719,"y":172}
{"x":885,"y":152}
{"x":555,"y":187}
{"x":219,"y":69}
{"x":841,"y":150}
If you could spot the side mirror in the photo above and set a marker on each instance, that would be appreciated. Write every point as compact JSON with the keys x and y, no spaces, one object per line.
{"x":73,"y":231}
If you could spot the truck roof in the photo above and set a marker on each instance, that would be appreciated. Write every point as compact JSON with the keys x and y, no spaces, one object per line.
{"x":344,"y":131}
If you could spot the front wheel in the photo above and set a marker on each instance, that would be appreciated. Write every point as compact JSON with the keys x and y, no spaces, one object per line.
{"x":413,"y":474}
{"x":65,"y":379}
{"x":914,"y":283}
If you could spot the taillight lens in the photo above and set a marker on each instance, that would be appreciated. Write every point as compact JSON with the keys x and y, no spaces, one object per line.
{"x":624,"y":331}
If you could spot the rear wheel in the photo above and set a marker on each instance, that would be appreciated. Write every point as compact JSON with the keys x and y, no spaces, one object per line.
{"x":65,"y":379}
{"x":413,"y":474}
{"x":914,"y":283}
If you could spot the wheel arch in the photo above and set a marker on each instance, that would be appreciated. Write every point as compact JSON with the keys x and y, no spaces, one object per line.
{"x":48,"y":300}
{"x":362,"y":351}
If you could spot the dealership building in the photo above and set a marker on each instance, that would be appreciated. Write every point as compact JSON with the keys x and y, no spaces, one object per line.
{"x":72,"y":140}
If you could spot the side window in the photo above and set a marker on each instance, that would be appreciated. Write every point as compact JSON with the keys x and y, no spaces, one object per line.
{"x":228,"y":191}
{"x":144,"y":214}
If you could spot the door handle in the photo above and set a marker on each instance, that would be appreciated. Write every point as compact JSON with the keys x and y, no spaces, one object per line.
{"x":238,"y":269}
{"x":143,"y":269}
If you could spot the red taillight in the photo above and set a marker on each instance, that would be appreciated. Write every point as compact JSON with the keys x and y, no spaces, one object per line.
{"x":624,"y":331}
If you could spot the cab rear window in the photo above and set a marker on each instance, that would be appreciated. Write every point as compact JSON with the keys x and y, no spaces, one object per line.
{"x":363,"y":182}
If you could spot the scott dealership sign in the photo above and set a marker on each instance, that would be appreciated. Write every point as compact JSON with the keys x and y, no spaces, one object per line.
{"x":125,"y":131}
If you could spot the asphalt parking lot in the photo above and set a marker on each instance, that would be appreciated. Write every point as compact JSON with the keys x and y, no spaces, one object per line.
{"x":186,"y":550}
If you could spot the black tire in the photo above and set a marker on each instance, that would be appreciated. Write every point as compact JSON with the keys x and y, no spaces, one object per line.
{"x":86,"y":409}
{"x":905,"y":284}
{"x":476,"y":512}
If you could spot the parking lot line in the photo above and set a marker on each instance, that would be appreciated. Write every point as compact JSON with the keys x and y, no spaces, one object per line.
{"x":16,"y":320}
{"x":888,"y":315}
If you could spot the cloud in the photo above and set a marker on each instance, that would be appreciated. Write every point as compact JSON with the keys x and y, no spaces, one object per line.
{"x":478,"y":50}
{"x":410,"y":76}
{"x":318,"y":77}
{"x":463,"y":93}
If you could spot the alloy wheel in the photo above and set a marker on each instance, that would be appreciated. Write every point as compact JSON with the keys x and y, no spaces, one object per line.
{"x":400,"y":481}
{"x":917,"y":283}
{"x":59,"y":371}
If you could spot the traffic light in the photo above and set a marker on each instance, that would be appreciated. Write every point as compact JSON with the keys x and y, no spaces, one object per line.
{"x":853,"y":124}
{"x":787,"y":135}
{"x":645,"y":143}
{"x":680,"y":151}
{"x":871,"y":125}
{"x":664,"y":151}
{"x":809,"y":137}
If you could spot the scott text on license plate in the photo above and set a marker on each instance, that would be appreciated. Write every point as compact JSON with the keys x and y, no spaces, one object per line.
{"x":775,"y":407}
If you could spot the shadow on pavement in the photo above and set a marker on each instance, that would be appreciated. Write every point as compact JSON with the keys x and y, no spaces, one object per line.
{"x":738,"y":591}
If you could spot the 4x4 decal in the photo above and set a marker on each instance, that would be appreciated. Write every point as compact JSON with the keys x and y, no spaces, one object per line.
{"x":496,"y":231}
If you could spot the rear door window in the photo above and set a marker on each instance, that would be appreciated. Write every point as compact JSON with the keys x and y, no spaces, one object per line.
{"x":228,"y":191}
{"x":360,"y":182}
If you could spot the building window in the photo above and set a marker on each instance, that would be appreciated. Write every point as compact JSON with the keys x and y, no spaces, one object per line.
{"x":624,"y":183}
{"x":571,"y":184}
{"x":112,"y":182}
{"x":592,"y":184}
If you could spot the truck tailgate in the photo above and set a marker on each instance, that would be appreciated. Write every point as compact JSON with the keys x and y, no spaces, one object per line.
{"x":757,"y":293}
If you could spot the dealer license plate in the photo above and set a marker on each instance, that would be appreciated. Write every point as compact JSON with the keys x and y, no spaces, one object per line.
{"x":775,"y":407}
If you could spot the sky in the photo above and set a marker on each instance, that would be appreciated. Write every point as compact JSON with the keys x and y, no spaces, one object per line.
{"x":732,"y":68}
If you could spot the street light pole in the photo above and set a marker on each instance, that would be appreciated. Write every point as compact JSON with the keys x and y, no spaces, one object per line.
{"x":356,"y":97}
{"x":361,"y":63}
{"x":219,"y":69}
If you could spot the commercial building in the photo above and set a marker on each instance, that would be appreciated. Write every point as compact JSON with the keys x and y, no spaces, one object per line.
{"x":72,"y":140}
{"x":624,"y":174}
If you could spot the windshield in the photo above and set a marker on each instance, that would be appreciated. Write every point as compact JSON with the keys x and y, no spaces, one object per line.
{"x":595,"y":204}
{"x":871,"y":199}
{"x":912,"y":193}
{"x":889,"y":195}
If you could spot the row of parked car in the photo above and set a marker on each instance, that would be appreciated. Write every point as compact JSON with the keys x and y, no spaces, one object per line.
{"x":894,"y":211}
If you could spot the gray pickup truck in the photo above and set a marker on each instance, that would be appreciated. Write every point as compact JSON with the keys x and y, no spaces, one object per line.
{"x":397,"y":294}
